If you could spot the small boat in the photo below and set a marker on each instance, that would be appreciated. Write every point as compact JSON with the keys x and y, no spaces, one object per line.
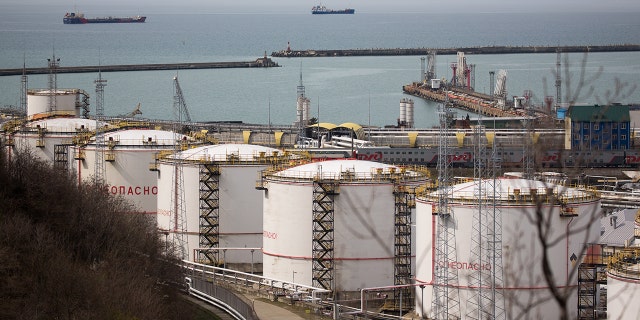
{"x":320,"y":9}
{"x":79,"y":18}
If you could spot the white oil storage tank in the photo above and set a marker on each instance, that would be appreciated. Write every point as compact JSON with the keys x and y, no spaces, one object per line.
{"x":129,"y":170}
{"x":623,"y":285}
{"x":494,"y":257}
{"x":340,"y":225}
{"x":58,"y":102}
{"x":50,"y":139}
{"x":223,"y":208}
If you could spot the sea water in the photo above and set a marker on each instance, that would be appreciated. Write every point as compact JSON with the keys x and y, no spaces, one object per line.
{"x":364,"y":90}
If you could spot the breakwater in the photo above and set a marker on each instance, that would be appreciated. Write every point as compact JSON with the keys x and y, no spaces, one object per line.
{"x":258,"y":63}
{"x":447,"y":51}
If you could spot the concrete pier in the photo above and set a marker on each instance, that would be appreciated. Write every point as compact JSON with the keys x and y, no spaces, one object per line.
{"x":264,"y":62}
{"x":447,"y":51}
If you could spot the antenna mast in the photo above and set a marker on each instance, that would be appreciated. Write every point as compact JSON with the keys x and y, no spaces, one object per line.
{"x":446,"y":298}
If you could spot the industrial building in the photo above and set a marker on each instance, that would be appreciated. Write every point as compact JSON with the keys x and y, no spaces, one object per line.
{"x":485,"y":285}
{"x":598,"y":127}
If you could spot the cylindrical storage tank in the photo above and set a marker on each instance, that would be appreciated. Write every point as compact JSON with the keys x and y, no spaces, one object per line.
{"x":129,"y":158}
{"x":410,"y":113}
{"x":50,"y":139}
{"x":403,"y":111}
{"x":56,"y":102}
{"x":221,"y":201}
{"x":346,"y":205}
{"x":623,"y":288}
{"x":569,"y":215}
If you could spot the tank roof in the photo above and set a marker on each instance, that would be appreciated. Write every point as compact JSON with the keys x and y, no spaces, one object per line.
{"x":348,"y":169}
{"x":135,"y":137}
{"x":63,"y":124}
{"x":523,"y":189}
{"x":222,"y":152}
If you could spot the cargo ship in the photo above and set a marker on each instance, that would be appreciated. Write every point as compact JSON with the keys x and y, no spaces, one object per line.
{"x":79,"y":18}
{"x":320,"y":9}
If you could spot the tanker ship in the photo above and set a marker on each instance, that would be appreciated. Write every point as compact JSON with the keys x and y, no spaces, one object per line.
{"x":320,"y":9}
{"x":79,"y":18}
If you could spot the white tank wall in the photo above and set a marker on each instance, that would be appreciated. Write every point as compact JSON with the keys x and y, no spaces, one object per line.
{"x":128,"y":176}
{"x":363,"y":234}
{"x":46,"y":152}
{"x":65,"y":101}
{"x":522,"y":253}
{"x":191,"y":203}
{"x":622,"y":294}
{"x":240,"y":208}
{"x":57,"y":131}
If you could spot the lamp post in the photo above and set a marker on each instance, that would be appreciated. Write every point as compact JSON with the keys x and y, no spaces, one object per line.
{"x":224,"y":258}
{"x":422,"y":301}
{"x":252,"y":250}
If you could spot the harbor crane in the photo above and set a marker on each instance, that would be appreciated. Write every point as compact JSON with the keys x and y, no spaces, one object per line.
{"x":133,"y":113}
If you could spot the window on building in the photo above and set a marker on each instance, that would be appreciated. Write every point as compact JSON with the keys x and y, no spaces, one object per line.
{"x":596,"y":126}
{"x":623,"y":137}
{"x":596,"y":137}
{"x":623,"y":126}
{"x":615,"y":125}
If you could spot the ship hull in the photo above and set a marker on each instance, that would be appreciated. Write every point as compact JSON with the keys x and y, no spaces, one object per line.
{"x":346,"y":11}
{"x":80,"y":19}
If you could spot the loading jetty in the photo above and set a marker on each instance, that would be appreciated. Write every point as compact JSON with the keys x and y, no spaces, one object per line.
{"x":288,"y":53}
{"x":469,"y":100}
{"x":264,"y":62}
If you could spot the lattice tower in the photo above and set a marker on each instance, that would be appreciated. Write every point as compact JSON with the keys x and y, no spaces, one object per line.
{"x":446,"y":297}
{"x":300,"y":107}
{"x":487,"y":298}
{"x":558,"y":78}
{"x":24,"y":87}
{"x":528,"y":152}
{"x":100,"y":166}
{"x":53,"y":64}
{"x":178,"y":214}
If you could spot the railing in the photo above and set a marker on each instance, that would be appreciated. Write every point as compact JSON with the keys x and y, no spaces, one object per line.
{"x":208,"y":283}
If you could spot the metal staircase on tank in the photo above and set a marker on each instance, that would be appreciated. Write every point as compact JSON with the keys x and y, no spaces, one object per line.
{"x":61,"y":156}
{"x":323,"y":265}
{"x":587,"y":291}
{"x":209,"y":213}
{"x":446,"y":293}
{"x":487,"y":298}
{"x":404,"y":201}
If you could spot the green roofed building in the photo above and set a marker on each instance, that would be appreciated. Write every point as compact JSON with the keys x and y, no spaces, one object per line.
{"x":597,"y":127}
